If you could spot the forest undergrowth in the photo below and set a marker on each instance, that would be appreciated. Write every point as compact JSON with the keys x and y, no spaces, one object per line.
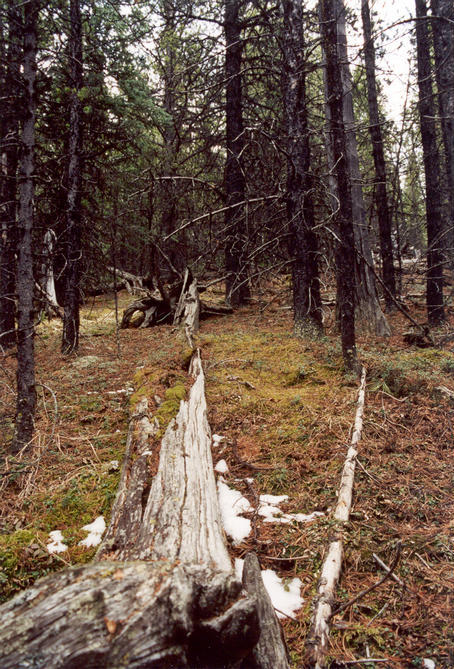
{"x":285,"y":409}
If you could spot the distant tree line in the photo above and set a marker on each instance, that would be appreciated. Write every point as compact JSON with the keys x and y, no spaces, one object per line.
{"x":230,"y":137}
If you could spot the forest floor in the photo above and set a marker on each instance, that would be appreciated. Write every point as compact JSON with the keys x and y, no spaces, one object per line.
{"x":285,"y":409}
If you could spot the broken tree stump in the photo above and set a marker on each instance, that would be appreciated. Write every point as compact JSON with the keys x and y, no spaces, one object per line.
{"x":162,"y":592}
{"x":173,"y":304}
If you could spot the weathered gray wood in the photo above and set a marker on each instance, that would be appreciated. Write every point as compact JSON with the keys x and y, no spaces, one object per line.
{"x":128,"y":614}
{"x":127,"y":511}
{"x":180,"y":605}
{"x":182,"y":520}
{"x":270,"y":652}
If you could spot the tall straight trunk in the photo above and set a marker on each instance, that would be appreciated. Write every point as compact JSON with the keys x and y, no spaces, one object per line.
{"x":300,"y":210}
{"x":237,"y":288}
{"x":70,"y":336}
{"x":367,"y":305}
{"x":26,"y":392}
{"x":378,"y":153}
{"x":171,"y":256}
{"x":9,"y":159}
{"x":435,"y":256}
{"x":443,"y":36}
{"x":344,"y":214}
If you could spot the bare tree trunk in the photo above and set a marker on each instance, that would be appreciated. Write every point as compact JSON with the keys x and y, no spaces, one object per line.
{"x":70,"y":336}
{"x":300,"y":211}
{"x":381,"y":195}
{"x":435,"y":256}
{"x":443,"y":36}
{"x":26,"y":392}
{"x":343,"y":217}
{"x":237,"y":288}
{"x":9,"y":159}
{"x":367,"y":305}
{"x":170,"y":258}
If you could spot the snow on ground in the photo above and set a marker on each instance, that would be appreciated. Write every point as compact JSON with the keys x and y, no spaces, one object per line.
{"x":233,"y":504}
{"x":95,"y":529}
{"x":430,"y":664}
{"x":56,"y":544}
{"x":222,"y":467}
{"x":285,"y":595}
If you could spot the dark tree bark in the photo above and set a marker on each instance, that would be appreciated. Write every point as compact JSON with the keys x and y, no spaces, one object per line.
{"x":344,"y":215}
{"x":169,"y":256}
{"x":381,"y":196}
{"x":435,"y":256}
{"x":26,"y":392}
{"x":300,"y":211}
{"x":367,"y":306}
{"x":237,"y":288}
{"x":443,"y":36}
{"x":70,"y":336}
{"x":9,"y":139}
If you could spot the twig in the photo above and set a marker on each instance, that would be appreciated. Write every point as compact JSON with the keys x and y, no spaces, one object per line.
{"x":54,"y":397}
{"x":371,"y":476}
{"x":426,"y":564}
{"x":283,"y":559}
{"x":361,"y":594}
{"x":287,"y":615}
{"x":364,"y":660}
{"x":377,"y":615}
{"x":388,"y":569}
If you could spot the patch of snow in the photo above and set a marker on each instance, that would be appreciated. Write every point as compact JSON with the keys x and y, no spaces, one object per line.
{"x":56,"y":544}
{"x":273,"y":499}
{"x":272,"y":514}
{"x":96,"y":529}
{"x":269,"y":510}
{"x":285,"y":596}
{"x":222,"y":467}
{"x":217,"y":438}
{"x":430,"y":664}
{"x":233,"y":504}
{"x":117,"y":392}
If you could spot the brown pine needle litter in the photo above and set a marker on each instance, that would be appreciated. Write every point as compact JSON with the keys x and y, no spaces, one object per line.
{"x":285,"y":410}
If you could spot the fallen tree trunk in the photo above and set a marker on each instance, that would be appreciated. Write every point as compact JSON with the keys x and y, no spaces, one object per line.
{"x":172,"y":305}
{"x":162,"y":592}
{"x":331,"y":568}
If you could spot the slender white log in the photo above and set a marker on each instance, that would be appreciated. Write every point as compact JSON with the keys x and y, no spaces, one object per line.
{"x":331,"y":568}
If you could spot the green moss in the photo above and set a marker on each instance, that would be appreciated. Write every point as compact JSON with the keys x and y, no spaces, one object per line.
{"x":22,"y":561}
{"x":186,"y":357}
{"x":178,"y":392}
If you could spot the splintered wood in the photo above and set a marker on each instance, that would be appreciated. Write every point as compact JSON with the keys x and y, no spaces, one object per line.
{"x":331,"y":568}
{"x":162,"y":592}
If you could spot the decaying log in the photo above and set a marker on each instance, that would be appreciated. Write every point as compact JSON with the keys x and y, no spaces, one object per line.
{"x":270,"y":652}
{"x":151,"y":312}
{"x":127,"y":510}
{"x":187,"y":311}
{"x":331,"y":568}
{"x":173,"y":304}
{"x":162,"y":592}
{"x":128,"y":614}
